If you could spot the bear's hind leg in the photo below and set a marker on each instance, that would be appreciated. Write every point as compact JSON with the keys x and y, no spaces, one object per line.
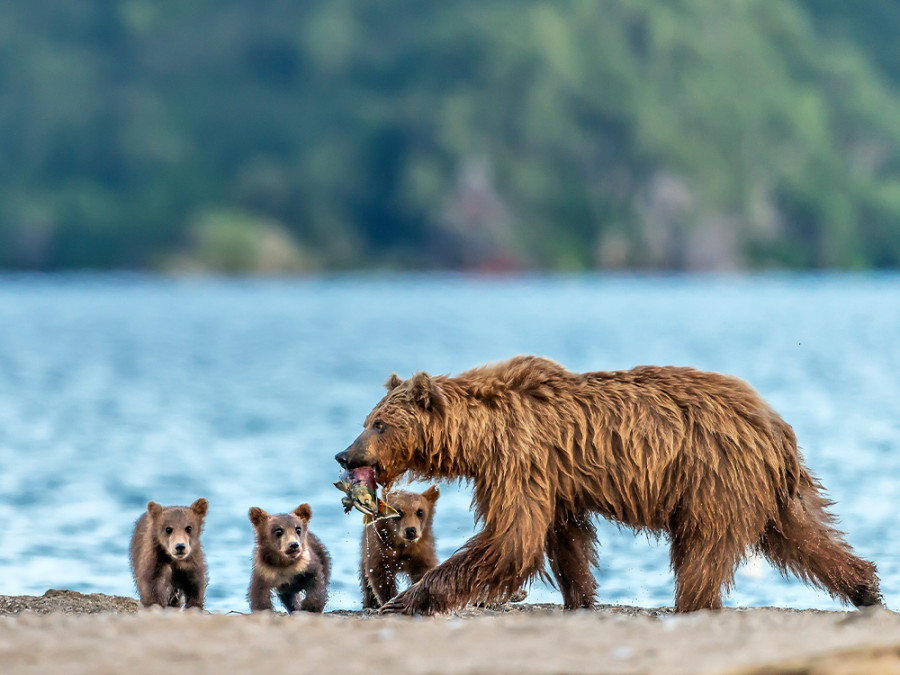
{"x":806,"y":543}
{"x":702,"y":567}
{"x":570,"y":550}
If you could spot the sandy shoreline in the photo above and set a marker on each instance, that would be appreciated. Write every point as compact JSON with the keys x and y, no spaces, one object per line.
{"x":66,"y":632}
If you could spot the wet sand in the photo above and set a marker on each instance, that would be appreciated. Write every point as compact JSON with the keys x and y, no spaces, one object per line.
{"x":67,"y":632}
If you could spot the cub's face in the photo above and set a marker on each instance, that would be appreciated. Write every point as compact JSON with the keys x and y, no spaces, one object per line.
{"x":281,"y":538}
{"x":416,"y":514}
{"x":395,"y":430}
{"x":177,"y":528}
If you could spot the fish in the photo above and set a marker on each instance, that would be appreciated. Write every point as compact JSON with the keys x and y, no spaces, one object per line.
{"x":361,"y":493}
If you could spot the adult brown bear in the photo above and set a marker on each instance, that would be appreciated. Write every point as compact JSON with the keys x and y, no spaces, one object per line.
{"x":698,"y":456}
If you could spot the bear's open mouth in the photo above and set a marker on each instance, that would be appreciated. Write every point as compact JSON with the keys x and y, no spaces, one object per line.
{"x":380,"y":477}
{"x":367,"y":474}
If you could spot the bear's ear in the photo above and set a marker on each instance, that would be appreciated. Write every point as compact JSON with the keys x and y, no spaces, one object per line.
{"x":303,"y":512}
{"x":426,"y":393}
{"x":154,"y":509}
{"x":432,"y":494}
{"x":258,"y":516}
{"x":393,"y":382}
{"x":200,"y":507}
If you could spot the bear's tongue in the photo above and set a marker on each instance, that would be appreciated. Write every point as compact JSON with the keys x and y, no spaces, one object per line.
{"x":364,"y":475}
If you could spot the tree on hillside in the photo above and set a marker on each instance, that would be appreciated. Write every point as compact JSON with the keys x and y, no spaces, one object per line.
{"x":416,"y":133}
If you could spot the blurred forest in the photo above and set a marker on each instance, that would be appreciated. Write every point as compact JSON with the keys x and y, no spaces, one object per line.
{"x":294,"y":135}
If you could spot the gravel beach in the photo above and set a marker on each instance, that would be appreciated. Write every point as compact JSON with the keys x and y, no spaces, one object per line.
{"x":68,"y":632}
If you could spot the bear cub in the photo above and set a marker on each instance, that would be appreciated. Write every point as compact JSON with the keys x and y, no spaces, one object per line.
{"x":290,"y":560}
{"x":392,"y":546}
{"x":166,"y":557}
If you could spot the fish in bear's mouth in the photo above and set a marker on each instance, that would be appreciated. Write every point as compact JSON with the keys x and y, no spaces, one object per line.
{"x":361,"y":492}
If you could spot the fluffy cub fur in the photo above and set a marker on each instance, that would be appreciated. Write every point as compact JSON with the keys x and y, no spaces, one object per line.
{"x":290,"y":560}
{"x":393,"y":546}
{"x":166,"y":557}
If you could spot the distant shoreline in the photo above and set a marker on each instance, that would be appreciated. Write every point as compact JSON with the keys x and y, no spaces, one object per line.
{"x":68,"y":632}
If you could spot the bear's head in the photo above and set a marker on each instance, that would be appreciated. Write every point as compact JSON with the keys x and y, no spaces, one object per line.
{"x":176,"y":529}
{"x":396,"y":432}
{"x":416,"y":513}
{"x":281,"y":538}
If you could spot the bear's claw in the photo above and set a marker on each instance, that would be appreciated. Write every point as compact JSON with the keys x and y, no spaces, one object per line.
{"x":396,"y":605}
{"x":414,"y":600}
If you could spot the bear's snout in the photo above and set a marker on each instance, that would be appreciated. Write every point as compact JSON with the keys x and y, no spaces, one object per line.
{"x":355,"y":456}
{"x":411,"y":533}
{"x":180,"y":549}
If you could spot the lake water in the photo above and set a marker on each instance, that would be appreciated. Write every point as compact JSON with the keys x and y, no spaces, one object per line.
{"x":118,"y":390}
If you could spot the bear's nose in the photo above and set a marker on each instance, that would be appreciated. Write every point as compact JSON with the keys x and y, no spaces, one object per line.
{"x":411,"y":533}
{"x":342,"y":458}
{"x":294,"y":545}
{"x":179,"y":548}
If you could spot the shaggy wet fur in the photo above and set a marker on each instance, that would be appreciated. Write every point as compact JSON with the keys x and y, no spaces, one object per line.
{"x":166,"y":557}
{"x":290,"y":560}
{"x":697,"y":456}
{"x":395,"y":546}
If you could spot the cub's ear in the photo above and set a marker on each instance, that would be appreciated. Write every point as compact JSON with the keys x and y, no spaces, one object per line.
{"x":432,"y":494}
{"x":200,"y":507}
{"x":393,"y":382}
{"x":154,"y":509}
{"x":303,"y":512}
{"x":426,"y":393}
{"x":258,"y":516}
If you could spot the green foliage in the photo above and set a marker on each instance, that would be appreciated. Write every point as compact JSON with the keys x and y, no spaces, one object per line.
{"x":570,"y":134}
{"x":233,"y":242}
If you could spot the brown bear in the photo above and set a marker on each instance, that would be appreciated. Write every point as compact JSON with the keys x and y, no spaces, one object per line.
{"x":290,"y":560}
{"x":403,"y":545}
{"x":698,"y":456}
{"x":166,"y":557}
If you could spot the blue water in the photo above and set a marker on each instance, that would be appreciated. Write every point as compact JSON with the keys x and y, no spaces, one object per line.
{"x":114,"y":391}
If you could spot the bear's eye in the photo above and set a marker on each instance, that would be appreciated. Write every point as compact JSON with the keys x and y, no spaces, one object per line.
{"x":168,"y":530}
{"x":189,"y":529}
{"x":278,"y":532}
{"x":379,"y":426}
{"x":420,"y":513}
{"x":399,"y":513}
{"x":299,"y":530}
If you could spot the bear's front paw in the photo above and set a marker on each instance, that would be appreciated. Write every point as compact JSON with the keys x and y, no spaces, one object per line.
{"x":414,"y":600}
